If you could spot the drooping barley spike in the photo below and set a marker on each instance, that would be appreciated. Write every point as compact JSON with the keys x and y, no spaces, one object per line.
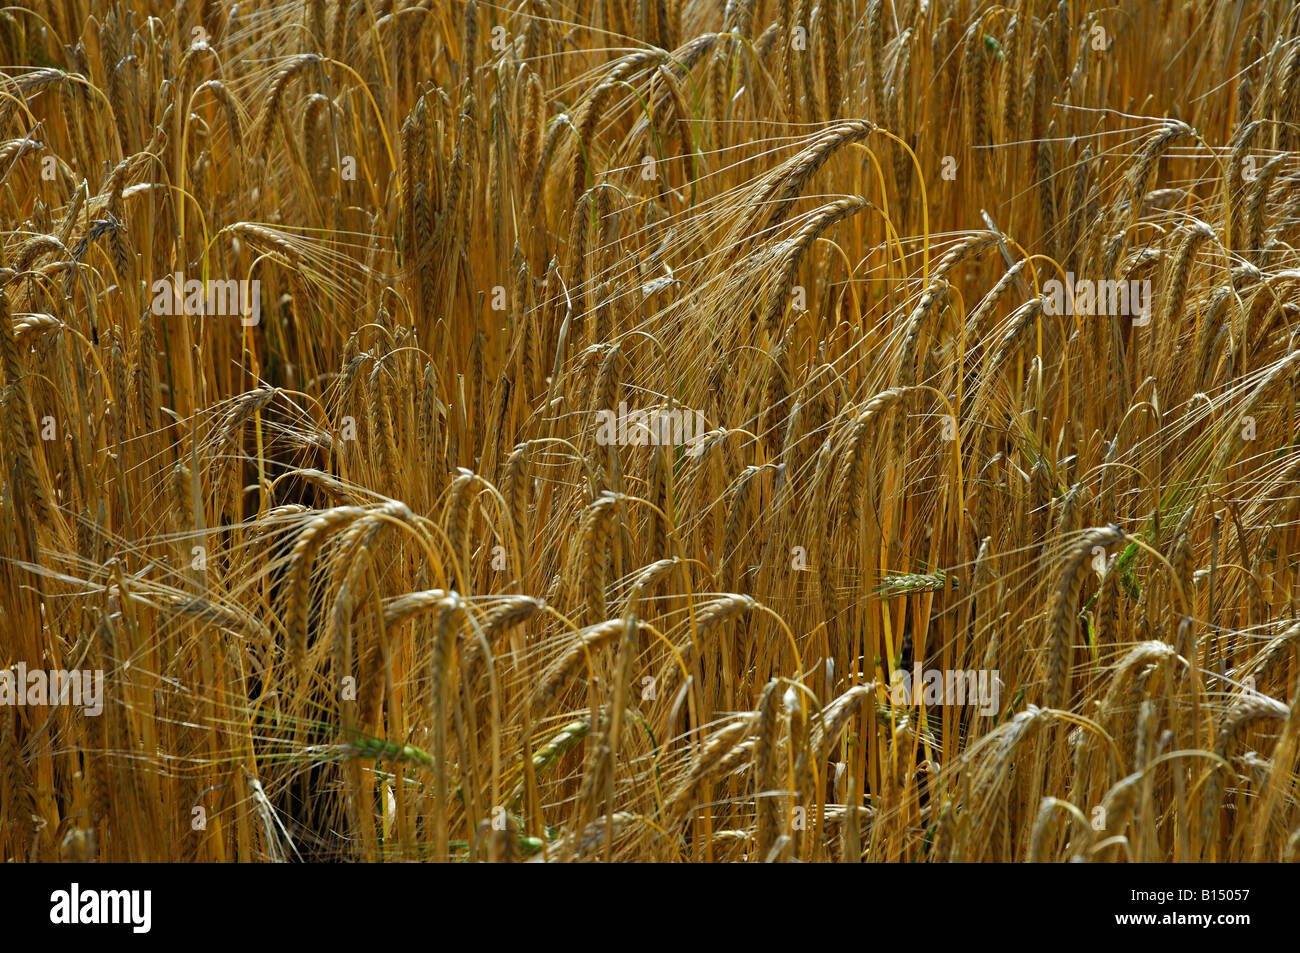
{"x":451,"y":612}
{"x":19,"y":433}
{"x":978,"y":319}
{"x":737,"y":526}
{"x":974,"y":93}
{"x":876,"y":46}
{"x":789,"y":74}
{"x":397,"y":609}
{"x":1155,"y":147}
{"x":901,"y":115}
{"x":709,"y":761}
{"x":1011,"y":103}
{"x":803,"y":15}
{"x":657,"y":526}
{"x":269,"y":115}
{"x":664,"y":20}
{"x":782,"y":187}
{"x":829,"y":22}
{"x":590,"y":639}
{"x":1256,"y":204}
{"x":459,"y":502}
{"x":1236,"y":168}
{"x":1076,"y":223}
{"x":1246,"y":711}
{"x":299,"y":572}
{"x":765,"y":771}
{"x":850,"y":482}
{"x":645,"y":579}
{"x":1045,"y":180}
{"x":545,"y":756}
{"x":776,"y":393}
{"x":1175,"y":291}
{"x":515,"y":488}
{"x":713,"y":614}
{"x":1108,"y":604}
{"x":589,"y":117}
{"x":471,"y":38}
{"x":818,"y":222}
{"x":1062,"y":621}
{"x":593,"y":540}
{"x":1019,"y":320}
{"x":967,"y":246}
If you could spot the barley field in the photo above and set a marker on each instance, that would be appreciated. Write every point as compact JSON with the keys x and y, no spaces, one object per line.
{"x":615,"y":430}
